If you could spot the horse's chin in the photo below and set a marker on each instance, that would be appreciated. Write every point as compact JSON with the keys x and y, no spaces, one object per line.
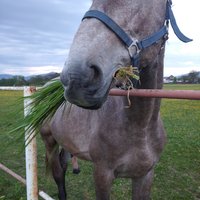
{"x":86,"y":104}
{"x":93,"y":107}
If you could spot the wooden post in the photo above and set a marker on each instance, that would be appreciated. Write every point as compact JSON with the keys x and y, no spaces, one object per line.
{"x":31,"y":154}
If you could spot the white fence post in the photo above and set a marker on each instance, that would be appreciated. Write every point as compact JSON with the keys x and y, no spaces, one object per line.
{"x":31,"y":161}
{"x":31,"y":154}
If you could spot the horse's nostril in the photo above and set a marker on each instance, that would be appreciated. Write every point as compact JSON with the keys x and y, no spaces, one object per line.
{"x":87,"y":77}
{"x":96,"y":73}
{"x":94,"y":77}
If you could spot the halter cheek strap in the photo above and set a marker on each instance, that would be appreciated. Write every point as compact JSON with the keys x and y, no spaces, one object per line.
{"x":170,"y":17}
{"x":139,"y":45}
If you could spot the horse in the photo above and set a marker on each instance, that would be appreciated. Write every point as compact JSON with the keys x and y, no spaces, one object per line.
{"x":121,"y":142}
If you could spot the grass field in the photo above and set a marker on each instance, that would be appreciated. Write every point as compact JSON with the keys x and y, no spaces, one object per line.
{"x":177,"y":176}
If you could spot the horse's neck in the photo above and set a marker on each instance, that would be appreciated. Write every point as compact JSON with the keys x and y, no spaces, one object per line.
{"x":143,"y":110}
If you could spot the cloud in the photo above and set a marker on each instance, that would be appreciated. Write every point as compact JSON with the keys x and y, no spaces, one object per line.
{"x":39,"y":33}
{"x":31,"y":70}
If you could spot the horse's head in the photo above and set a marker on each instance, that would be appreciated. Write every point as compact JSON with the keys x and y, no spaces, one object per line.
{"x":96,"y":52}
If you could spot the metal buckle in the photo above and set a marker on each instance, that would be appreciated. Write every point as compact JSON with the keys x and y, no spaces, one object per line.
{"x":132,"y":47}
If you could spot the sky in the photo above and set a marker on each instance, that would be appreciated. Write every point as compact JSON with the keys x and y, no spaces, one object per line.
{"x":35,"y":35}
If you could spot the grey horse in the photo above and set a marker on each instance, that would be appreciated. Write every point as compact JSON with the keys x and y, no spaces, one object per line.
{"x":121,"y":142}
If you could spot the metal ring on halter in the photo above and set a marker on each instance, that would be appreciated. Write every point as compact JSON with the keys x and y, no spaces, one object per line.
{"x":136,"y":48}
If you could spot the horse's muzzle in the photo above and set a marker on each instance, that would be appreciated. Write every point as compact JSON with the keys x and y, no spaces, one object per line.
{"x":84,"y":88}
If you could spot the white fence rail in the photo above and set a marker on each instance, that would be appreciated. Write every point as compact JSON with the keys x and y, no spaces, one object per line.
{"x":11,"y":88}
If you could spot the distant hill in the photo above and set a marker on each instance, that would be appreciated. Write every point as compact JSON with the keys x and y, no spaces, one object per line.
{"x":18,"y":80}
{"x":6,"y":76}
{"x":197,"y":73}
{"x":49,"y":76}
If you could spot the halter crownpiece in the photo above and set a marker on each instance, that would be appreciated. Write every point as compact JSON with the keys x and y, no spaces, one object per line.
{"x":133,"y":43}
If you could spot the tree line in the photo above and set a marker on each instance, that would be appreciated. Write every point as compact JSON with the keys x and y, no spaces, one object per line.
{"x":192,"y":77}
{"x":38,"y":80}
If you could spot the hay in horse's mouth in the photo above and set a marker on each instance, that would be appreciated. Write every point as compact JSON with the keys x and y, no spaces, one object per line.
{"x":127,"y":77}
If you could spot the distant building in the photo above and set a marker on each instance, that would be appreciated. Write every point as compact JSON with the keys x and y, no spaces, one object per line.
{"x":169,"y":79}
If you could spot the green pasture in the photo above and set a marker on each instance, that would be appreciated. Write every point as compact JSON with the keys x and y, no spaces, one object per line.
{"x":177,"y":176}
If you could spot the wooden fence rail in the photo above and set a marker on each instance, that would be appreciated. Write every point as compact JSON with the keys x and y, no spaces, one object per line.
{"x":170,"y":94}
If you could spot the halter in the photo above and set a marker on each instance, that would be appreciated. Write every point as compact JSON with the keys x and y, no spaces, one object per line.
{"x":134,"y":43}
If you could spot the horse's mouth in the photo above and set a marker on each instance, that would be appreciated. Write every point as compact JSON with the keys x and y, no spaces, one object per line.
{"x":87,"y":99}
{"x":94,"y":107}
{"x":86,"y":102}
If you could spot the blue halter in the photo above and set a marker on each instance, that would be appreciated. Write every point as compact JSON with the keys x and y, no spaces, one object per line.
{"x":140,"y":45}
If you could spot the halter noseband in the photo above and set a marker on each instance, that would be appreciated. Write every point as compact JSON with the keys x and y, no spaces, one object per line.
{"x":139,"y":45}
